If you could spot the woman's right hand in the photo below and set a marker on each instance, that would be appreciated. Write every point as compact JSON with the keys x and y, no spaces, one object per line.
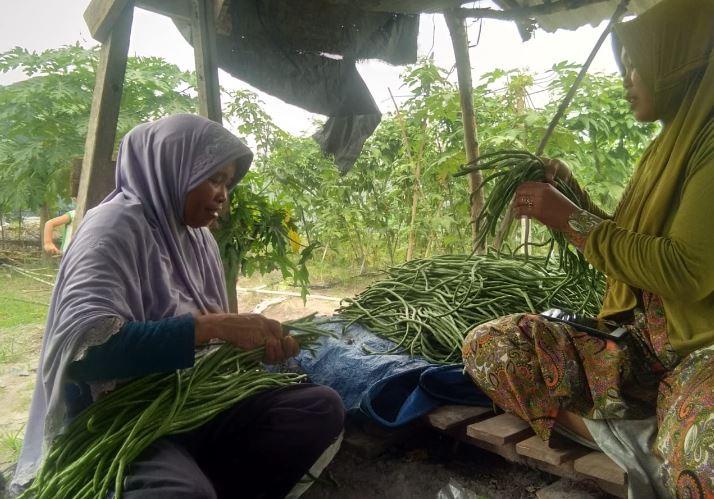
{"x":248,"y":332}
{"x":556,"y":169}
{"x":51,"y":249}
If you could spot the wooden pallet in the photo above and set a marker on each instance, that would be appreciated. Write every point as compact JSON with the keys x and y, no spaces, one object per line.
{"x":513,"y":439}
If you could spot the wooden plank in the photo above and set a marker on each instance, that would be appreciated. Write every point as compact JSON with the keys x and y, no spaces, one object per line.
{"x":500,"y":430}
{"x":507,"y":451}
{"x":203,"y":33}
{"x":102,"y":15}
{"x":460,"y":43}
{"x":176,"y":9}
{"x":598,"y":465}
{"x":97,"y":167}
{"x":564,"y":470}
{"x":403,"y":6}
{"x":446,"y":417}
{"x":224,"y":24}
{"x":556,"y":452}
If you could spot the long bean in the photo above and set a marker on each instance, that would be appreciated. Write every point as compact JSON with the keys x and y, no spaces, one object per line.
{"x":426,"y":307}
{"x":92,"y":454}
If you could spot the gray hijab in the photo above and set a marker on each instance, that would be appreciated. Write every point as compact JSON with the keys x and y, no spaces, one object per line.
{"x":132,"y":259}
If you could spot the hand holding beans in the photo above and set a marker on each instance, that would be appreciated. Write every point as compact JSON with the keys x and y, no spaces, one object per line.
{"x":248,"y":332}
{"x":542,"y":201}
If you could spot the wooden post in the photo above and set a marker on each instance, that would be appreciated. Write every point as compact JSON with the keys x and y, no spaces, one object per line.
{"x":203,"y":33}
{"x":97,"y":166}
{"x":102,"y":15}
{"x":460,"y":42}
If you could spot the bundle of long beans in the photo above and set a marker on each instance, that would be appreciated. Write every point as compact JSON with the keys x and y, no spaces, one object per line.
{"x":91,"y":456}
{"x":426,"y":307}
{"x":508,"y":170}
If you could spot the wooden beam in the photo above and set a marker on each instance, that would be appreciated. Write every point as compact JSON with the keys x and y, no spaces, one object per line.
{"x":523,"y":13}
{"x":102,"y":15}
{"x":221,"y":11}
{"x":177,"y":9}
{"x":403,"y":6}
{"x":203,"y":34}
{"x":460,"y":42}
{"x":183,"y":9}
{"x":97,"y":165}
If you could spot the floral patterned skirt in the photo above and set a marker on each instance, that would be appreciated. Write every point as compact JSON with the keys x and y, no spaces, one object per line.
{"x":534,"y":367}
{"x":685,"y":421}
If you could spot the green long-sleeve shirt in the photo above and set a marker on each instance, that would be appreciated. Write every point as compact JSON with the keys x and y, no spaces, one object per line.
{"x":678,"y":267}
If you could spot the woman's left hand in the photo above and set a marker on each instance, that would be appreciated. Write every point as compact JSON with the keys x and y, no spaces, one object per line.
{"x":545,"y":203}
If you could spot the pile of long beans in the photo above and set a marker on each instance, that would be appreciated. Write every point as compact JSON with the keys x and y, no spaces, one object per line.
{"x":427,"y":307}
{"x":508,"y":170}
{"x":92,"y":455}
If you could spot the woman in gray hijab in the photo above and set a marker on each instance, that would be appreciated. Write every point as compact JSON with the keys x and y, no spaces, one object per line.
{"x":140,"y":286}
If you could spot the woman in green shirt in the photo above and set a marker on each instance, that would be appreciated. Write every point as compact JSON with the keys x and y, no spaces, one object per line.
{"x":658,"y":254}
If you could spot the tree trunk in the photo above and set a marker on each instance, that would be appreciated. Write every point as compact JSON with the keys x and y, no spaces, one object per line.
{"x":460,"y":43}
{"x":44,"y":216}
{"x":415,"y":202}
{"x":416,"y":164}
{"x":231,"y":275}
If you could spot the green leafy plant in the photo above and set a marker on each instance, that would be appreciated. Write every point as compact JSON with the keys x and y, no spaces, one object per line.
{"x":43,"y":119}
{"x":259,"y":235}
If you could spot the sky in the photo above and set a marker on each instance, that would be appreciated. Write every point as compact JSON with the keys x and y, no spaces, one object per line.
{"x":43,"y":24}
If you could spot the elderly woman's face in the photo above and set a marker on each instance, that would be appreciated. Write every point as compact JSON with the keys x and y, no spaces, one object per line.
{"x":638,"y":95}
{"x":205,"y":202}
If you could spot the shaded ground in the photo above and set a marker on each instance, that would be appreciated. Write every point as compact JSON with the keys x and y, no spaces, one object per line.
{"x":423,"y":466}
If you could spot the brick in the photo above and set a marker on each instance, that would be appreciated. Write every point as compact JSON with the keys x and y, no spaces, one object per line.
{"x":500,"y":430}
{"x":447,"y":417}
{"x":556,"y":452}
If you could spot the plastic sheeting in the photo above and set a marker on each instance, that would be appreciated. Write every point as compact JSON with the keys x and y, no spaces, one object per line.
{"x":305,"y":53}
{"x":392,"y":389}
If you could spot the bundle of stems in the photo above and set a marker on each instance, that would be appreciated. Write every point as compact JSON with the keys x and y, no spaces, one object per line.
{"x":427,"y":307}
{"x":506,"y":171}
{"x":91,"y":456}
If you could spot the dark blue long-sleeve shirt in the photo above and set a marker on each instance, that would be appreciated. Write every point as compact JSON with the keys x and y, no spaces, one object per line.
{"x":137,"y":349}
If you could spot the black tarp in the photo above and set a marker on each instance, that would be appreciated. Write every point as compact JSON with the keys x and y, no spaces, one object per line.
{"x":305,"y":53}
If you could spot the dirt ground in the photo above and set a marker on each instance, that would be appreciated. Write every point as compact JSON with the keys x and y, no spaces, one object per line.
{"x":425,"y":466}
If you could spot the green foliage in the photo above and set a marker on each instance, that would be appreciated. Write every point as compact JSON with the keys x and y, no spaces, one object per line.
{"x":363,"y":218}
{"x":17,"y":307}
{"x":599,"y":135}
{"x":259,"y":235}
{"x":11,"y":444}
{"x":43,"y":119}
{"x":43,"y":124}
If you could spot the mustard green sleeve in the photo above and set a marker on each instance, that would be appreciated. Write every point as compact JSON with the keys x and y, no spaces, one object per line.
{"x":586,"y":201}
{"x":679,"y":266}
